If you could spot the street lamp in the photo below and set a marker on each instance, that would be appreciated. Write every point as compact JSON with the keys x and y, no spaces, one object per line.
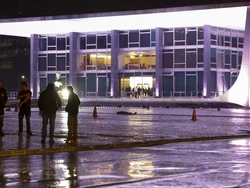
{"x":23,"y":76}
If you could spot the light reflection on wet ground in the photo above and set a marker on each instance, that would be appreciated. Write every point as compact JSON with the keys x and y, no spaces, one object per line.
{"x":148,"y":125}
{"x":197,"y":164}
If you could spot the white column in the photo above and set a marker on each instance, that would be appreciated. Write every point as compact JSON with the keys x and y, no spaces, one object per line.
{"x":34,"y":65}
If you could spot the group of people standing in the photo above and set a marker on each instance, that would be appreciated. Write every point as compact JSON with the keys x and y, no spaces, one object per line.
{"x":48,"y":103}
{"x":137,"y":92}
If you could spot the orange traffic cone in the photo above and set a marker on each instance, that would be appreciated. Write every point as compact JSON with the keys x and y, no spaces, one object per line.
{"x":16,"y":108}
{"x":194,"y":117}
{"x":95,"y":113}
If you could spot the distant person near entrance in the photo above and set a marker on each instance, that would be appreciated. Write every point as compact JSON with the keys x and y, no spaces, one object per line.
{"x":72,"y":108}
{"x":24,"y":108}
{"x":49,"y":102}
{"x":3,"y":101}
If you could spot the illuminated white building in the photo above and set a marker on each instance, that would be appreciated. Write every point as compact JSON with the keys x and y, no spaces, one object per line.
{"x":174,"y":53}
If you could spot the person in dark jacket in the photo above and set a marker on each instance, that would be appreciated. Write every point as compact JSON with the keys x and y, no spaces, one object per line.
{"x":72,"y":108}
{"x":24,"y":108}
{"x":3,"y":101}
{"x":49,"y":102}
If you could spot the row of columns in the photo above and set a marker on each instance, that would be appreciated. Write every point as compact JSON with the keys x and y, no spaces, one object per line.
{"x":74,"y":38}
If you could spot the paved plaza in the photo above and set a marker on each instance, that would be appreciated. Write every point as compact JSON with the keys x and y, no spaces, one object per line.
{"x":112,"y":152}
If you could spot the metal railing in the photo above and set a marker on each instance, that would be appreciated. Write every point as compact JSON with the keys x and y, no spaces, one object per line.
{"x":164,"y":94}
{"x":12,"y":95}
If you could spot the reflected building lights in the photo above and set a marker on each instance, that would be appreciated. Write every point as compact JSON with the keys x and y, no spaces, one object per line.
{"x":141,"y":169}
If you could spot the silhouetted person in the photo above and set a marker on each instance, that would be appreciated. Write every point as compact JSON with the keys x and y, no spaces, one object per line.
{"x":3,"y":101}
{"x":72,"y":108}
{"x":24,"y":108}
{"x":49,"y":102}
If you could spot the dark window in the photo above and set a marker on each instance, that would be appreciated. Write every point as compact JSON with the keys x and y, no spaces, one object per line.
{"x":68,"y":43}
{"x":145,"y":40}
{"x":180,"y":34}
{"x":51,"y":68}
{"x":168,"y":39}
{"x":133,"y":36}
{"x":191,"y":38}
{"x":234,"y":61}
{"x":239,"y":58}
{"x":67,"y":59}
{"x":109,"y":38}
{"x":221,"y":40}
{"x":179,"y":43}
{"x":179,"y":56}
{"x":123,"y":41}
{"x":179,"y":81}
{"x":227,"y":38}
{"x":51,"y":59}
{"x":43,"y":44}
{"x":227,"y":44}
{"x":213,"y":42}
{"x":91,"y":47}
{"x":61,"y":44}
{"x":227,"y":56}
{"x":91,"y":39}
{"x":191,"y":59}
{"x":234,"y":42}
{"x":241,"y":40}
{"x":153,"y":35}
{"x":200,"y":33}
{"x":179,"y":66}
{"x":213,"y":37}
{"x":101,"y":42}
{"x":200,"y":55}
{"x":61,"y":63}
{"x":51,"y":41}
{"x":82,"y":43}
{"x":168,"y":60}
{"x":52,"y":48}
{"x":42,"y":64}
{"x":213,"y":55}
{"x":133,"y":45}
{"x":240,"y":45}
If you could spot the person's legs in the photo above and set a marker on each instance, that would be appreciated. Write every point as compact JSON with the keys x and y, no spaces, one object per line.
{"x":20,"y":121}
{"x":1,"y":124}
{"x":52,"y":126}
{"x":44,"y":129}
{"x":27,"y":117}
{"x":75,"y":128}
{"x":70,"y":127}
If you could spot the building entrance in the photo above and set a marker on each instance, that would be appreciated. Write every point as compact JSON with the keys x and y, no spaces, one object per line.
{"x":141,"y":85}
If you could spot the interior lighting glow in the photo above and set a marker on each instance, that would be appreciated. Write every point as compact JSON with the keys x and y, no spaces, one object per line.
{"x":100,"y":56}
{"x":222,"y":17}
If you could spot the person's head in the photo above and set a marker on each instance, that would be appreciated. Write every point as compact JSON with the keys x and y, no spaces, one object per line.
{"x":70,"y":89}
{"x":50,"y":86}
{"x":1,"y":83}
{"x":24,"y":85}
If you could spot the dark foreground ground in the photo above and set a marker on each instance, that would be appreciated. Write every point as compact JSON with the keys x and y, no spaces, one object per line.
{"x":211,"y":152}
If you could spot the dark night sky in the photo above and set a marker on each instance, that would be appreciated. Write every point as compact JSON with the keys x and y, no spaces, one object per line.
{"x":32,"y":8}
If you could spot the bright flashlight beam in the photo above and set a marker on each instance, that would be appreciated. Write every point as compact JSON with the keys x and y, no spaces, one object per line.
{"x":65,"y":94}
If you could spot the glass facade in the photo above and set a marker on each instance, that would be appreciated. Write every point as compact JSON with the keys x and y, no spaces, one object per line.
{"x":132,"y":55}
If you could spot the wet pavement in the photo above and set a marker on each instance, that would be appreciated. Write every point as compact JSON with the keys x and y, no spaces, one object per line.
{"x":205,"y":164}
{"x":211,"y":161}
{"x":157,"y":124}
